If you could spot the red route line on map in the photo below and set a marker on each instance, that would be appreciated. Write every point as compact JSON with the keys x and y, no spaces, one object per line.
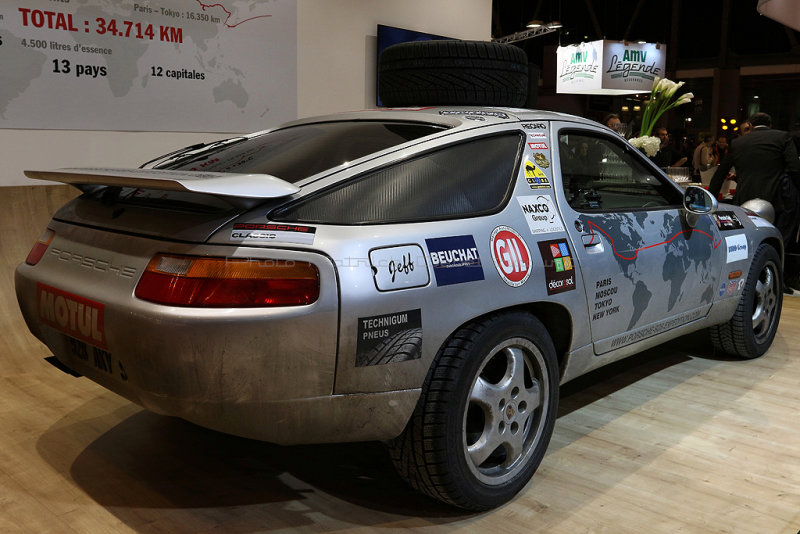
{"x":636,"y":252}
{"x":204,"y":6}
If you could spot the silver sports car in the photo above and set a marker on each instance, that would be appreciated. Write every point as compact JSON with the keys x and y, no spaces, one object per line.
{"x":427,"y":277}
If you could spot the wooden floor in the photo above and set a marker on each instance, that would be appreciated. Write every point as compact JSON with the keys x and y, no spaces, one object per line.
{"x":673,"y":440}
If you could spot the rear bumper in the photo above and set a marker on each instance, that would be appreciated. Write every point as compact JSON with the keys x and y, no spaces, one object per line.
{"x":264,"y":373}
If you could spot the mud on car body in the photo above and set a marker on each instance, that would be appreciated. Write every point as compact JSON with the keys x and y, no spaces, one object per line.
{"x":426,"y":277}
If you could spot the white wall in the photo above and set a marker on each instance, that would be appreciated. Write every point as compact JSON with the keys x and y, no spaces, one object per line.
{"x":336,"y":72}
{"x":337,"y":44}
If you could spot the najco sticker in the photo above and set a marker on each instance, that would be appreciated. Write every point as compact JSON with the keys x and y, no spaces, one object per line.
{"x":540,"y":214}
{"x":511,"y":256}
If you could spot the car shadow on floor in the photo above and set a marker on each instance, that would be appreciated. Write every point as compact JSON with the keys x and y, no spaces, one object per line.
{"x":154,"y":470}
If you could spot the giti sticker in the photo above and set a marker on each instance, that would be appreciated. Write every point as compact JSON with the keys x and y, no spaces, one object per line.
{"x":535,"y":177}
{"x":538,"y":146}
{"x":510,"y":255}
{"x":390,"y":338}
{"x":541,"y":160}
{"x":559,"y":269}
{"x":736,"y":246}
{"x":541,"y":214}
{"x":727,"y":220}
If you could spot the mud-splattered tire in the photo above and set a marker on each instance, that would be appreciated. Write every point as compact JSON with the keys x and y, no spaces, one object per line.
{"x":750,"y":331}
{"x":468,"y":73}
{"x":485,"y":416}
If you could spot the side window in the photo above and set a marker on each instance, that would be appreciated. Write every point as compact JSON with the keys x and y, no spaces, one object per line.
{"x":467,"y":179}
{"x":599,"y":174}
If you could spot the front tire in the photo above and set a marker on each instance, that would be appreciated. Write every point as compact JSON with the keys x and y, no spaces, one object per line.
{"x":750,"y":331}
{"x":486,"y":414}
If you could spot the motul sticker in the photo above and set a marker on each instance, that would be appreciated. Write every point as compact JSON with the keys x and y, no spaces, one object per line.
{"x":75,"y":316}
{"x":538,"y":146}
{"x":272,"y":232}
{"x":511,"y":256}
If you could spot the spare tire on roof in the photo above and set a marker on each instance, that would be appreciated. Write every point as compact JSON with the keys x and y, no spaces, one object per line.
{"x":471,"y":73}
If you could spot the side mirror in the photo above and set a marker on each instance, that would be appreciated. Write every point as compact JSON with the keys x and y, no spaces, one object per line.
{"x":697,"y":201}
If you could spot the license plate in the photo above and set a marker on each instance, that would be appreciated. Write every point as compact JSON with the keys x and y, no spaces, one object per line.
{"x":101,"y":360}
{"x":71,"y":314}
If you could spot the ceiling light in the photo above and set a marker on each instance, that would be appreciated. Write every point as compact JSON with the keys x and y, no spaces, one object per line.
{"x":535,"y":24}
{"x":555,"y":24}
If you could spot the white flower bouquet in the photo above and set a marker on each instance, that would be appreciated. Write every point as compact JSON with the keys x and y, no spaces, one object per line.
{"x":662,"y":98}
{"x":647,"y":144}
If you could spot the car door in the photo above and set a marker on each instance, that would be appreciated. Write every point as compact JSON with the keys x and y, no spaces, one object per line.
{"x":646,"y":270}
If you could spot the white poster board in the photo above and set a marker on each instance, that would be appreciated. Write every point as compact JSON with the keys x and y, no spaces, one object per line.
{"x":171,"y":65}
{"x":609,"y":67}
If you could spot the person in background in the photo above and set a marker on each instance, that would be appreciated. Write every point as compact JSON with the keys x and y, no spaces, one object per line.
{"x":668,"y":155}
{"x":720,"y":149}
{"x":745,"y":128}
{"x":767,"y":167}
{"x":703,"y":157}
{"x":613,"y":121}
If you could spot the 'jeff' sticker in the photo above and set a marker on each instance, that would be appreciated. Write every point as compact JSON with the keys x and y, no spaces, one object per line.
{"x":400,"y":267}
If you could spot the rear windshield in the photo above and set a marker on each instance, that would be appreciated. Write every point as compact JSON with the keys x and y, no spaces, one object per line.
{"x":295,"y":153}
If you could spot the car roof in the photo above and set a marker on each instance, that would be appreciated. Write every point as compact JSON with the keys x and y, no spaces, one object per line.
{"x":460,"y":117}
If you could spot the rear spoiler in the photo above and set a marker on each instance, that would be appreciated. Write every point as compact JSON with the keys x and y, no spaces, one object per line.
{"x":238,"y":189}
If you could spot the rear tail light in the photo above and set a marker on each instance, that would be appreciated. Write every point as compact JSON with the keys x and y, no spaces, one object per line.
{"x":38,"y":250}
{"x":228,"y":282}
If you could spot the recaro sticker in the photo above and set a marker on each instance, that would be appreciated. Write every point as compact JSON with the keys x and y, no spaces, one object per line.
{"x":737,"y":247}
{"x":535,"y":177}
{"x":559,"y":270}
{"x":399,"y":267}
{"x":727,"y":220}
{"x":271,"y":232}
{"x":390,"y":338}
{"x":511,"y":256}
{"x":541,"y":214}
{"x":455,"y":260}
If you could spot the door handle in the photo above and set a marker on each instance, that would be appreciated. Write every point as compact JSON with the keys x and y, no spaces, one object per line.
{"x":592,"y":243}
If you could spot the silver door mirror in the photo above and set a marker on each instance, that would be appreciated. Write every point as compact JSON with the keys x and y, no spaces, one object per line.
{"x":699,"y":201}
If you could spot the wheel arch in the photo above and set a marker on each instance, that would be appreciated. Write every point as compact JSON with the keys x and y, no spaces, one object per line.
{"x":775,"y":243}
{"x":555,"y":317}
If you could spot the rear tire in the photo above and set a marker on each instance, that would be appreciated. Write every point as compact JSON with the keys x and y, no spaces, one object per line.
{"x":485,"y":416}
{"x":750,"y":331}
{"x":469,"y":73}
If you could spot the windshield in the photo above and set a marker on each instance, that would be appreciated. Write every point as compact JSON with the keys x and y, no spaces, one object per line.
{"x":295,"y":153}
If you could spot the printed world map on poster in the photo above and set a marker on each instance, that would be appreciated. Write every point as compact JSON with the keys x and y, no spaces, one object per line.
{"x":151,"y":65}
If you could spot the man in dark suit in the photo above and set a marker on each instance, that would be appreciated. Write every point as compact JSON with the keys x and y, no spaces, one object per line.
{"x":766,"y":167}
